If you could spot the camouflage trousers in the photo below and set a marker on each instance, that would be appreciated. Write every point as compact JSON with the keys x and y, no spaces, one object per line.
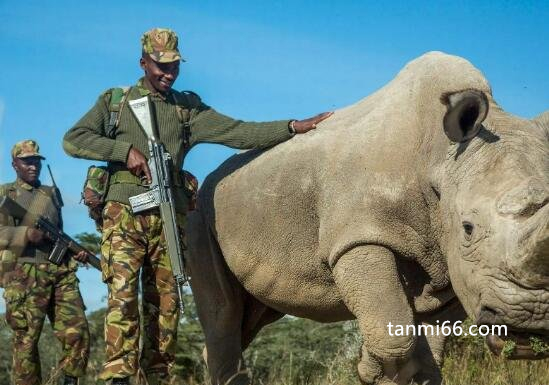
{"x":34,"y":291}
{"x":132,"y":244}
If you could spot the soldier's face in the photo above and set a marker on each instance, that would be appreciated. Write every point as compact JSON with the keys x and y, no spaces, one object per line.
{"x":160,"y":75}
{"x":28,"y":169}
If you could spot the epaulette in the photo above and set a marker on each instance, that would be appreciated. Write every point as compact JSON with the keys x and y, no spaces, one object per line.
{"x":191,"y":99}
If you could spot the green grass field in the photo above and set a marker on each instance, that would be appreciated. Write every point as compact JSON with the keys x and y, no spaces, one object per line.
{"x":296,"y":352}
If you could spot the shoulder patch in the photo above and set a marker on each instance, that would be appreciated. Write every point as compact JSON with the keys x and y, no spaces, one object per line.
{"x":114,"y":96}
{"x":118,"y":95}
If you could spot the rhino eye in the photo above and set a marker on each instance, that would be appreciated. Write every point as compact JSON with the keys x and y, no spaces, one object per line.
{"x":468,"y":228}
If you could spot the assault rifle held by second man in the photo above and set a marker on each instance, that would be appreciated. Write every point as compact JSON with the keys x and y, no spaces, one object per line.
{"x":64,"y":245}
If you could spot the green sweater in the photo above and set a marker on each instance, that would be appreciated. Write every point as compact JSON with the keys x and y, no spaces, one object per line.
{"x":88,"y":140}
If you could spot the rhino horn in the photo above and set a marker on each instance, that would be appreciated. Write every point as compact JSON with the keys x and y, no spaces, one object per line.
{"x":466,"y":110}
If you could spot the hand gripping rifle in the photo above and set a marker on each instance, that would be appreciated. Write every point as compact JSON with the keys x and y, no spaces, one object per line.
{"x":63,"y":243}
{"x":160,"y":194}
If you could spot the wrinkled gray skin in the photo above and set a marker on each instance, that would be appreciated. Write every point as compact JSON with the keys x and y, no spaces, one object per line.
{"x":371,"y":216}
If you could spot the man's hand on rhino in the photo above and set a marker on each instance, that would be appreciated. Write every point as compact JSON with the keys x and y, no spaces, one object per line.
{"x":302,"y":126}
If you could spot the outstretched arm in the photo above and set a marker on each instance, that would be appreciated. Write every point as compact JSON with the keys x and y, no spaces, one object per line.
{"x":210,"y":126}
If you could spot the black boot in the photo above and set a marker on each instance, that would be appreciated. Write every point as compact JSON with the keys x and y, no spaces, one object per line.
{"x":70,"y":380}
{"x":120,"y":381}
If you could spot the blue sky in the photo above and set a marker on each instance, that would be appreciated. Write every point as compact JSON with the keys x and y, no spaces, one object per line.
{"x":254,"y":60}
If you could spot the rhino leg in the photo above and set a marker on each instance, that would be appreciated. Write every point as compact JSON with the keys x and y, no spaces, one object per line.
{"x":430,"y":349}
{"x":219,"y":299}
{"x":369,"y":283}
{"x":256,"y":316}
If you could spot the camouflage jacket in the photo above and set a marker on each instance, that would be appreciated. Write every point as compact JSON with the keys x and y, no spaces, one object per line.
{"x":88,"y":138}
{"x":39,"y":201}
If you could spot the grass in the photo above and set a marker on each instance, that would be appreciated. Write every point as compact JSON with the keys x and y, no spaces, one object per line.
{"x":302,"y":352}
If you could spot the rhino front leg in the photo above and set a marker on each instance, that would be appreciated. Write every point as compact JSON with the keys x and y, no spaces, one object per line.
{"x":369,"y":282}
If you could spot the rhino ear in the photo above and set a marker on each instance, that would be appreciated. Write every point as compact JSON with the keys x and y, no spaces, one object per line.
{"x":466,"y":111}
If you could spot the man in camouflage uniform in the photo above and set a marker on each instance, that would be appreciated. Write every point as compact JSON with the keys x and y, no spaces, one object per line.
{"x":131,"y":243}
{"x":34,"y":287}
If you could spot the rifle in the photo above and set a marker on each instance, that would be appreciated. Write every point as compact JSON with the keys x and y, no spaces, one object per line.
{"x":160,"y":193}
{"x":63,"y":243}
{"x":55,"y":188}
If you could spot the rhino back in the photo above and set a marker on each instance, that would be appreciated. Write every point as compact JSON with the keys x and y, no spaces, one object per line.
{"x":283,"y":216}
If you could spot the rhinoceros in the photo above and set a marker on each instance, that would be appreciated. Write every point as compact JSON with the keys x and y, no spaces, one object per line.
{"x":417,"y":203}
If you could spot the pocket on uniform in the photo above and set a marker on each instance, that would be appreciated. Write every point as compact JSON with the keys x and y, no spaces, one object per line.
{"x":20,"y":277}
{"x":8,"y":262}
{"x":106,"y":255}
{"x":15,"y":297}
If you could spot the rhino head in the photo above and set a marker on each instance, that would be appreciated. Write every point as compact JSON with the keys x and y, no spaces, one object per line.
{"x":495,"y":185}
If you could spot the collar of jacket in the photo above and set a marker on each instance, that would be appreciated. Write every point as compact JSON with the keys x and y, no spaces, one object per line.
{"x":144,"y":91}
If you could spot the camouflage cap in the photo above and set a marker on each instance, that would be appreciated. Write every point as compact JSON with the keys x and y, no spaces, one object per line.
{"x":26,"y":149}
{"x":161,"y":45}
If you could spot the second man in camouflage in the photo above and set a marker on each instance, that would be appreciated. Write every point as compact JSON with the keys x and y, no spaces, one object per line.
{"x":34,"y":287}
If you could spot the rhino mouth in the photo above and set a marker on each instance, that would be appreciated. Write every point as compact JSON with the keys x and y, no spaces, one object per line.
{"x":519,"y":345}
